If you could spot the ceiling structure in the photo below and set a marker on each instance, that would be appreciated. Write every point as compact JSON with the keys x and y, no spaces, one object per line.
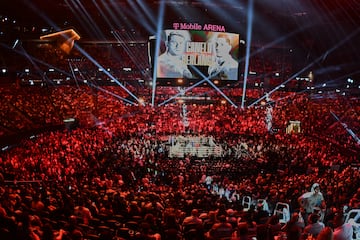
{"x":323,"y":32}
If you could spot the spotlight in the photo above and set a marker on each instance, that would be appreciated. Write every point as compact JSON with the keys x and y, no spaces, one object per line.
{"x":15,"y":43}
{"x":141,"y":100}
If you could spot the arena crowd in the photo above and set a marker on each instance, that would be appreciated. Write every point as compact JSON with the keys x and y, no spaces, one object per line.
{"x":111,"y":176}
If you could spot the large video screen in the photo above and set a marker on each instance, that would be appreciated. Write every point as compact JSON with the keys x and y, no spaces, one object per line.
{"x":197,"y":54}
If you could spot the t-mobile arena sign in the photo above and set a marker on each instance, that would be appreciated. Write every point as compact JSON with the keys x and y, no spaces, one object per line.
{"x":196,"y":26}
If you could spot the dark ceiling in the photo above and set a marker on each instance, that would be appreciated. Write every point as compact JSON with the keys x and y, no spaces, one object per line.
{"x":271,"y":17}
{"x":321,"y":30}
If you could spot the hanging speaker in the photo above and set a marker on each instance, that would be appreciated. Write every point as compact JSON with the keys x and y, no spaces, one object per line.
{"x":63,"y":39}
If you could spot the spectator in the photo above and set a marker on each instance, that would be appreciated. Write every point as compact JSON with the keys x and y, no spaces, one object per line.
{"x":222,"y":229}
{"x":193,"y":219}
{"x":325,"y":234}
{"x":315,"y":226}
{"x":342,"y":230}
